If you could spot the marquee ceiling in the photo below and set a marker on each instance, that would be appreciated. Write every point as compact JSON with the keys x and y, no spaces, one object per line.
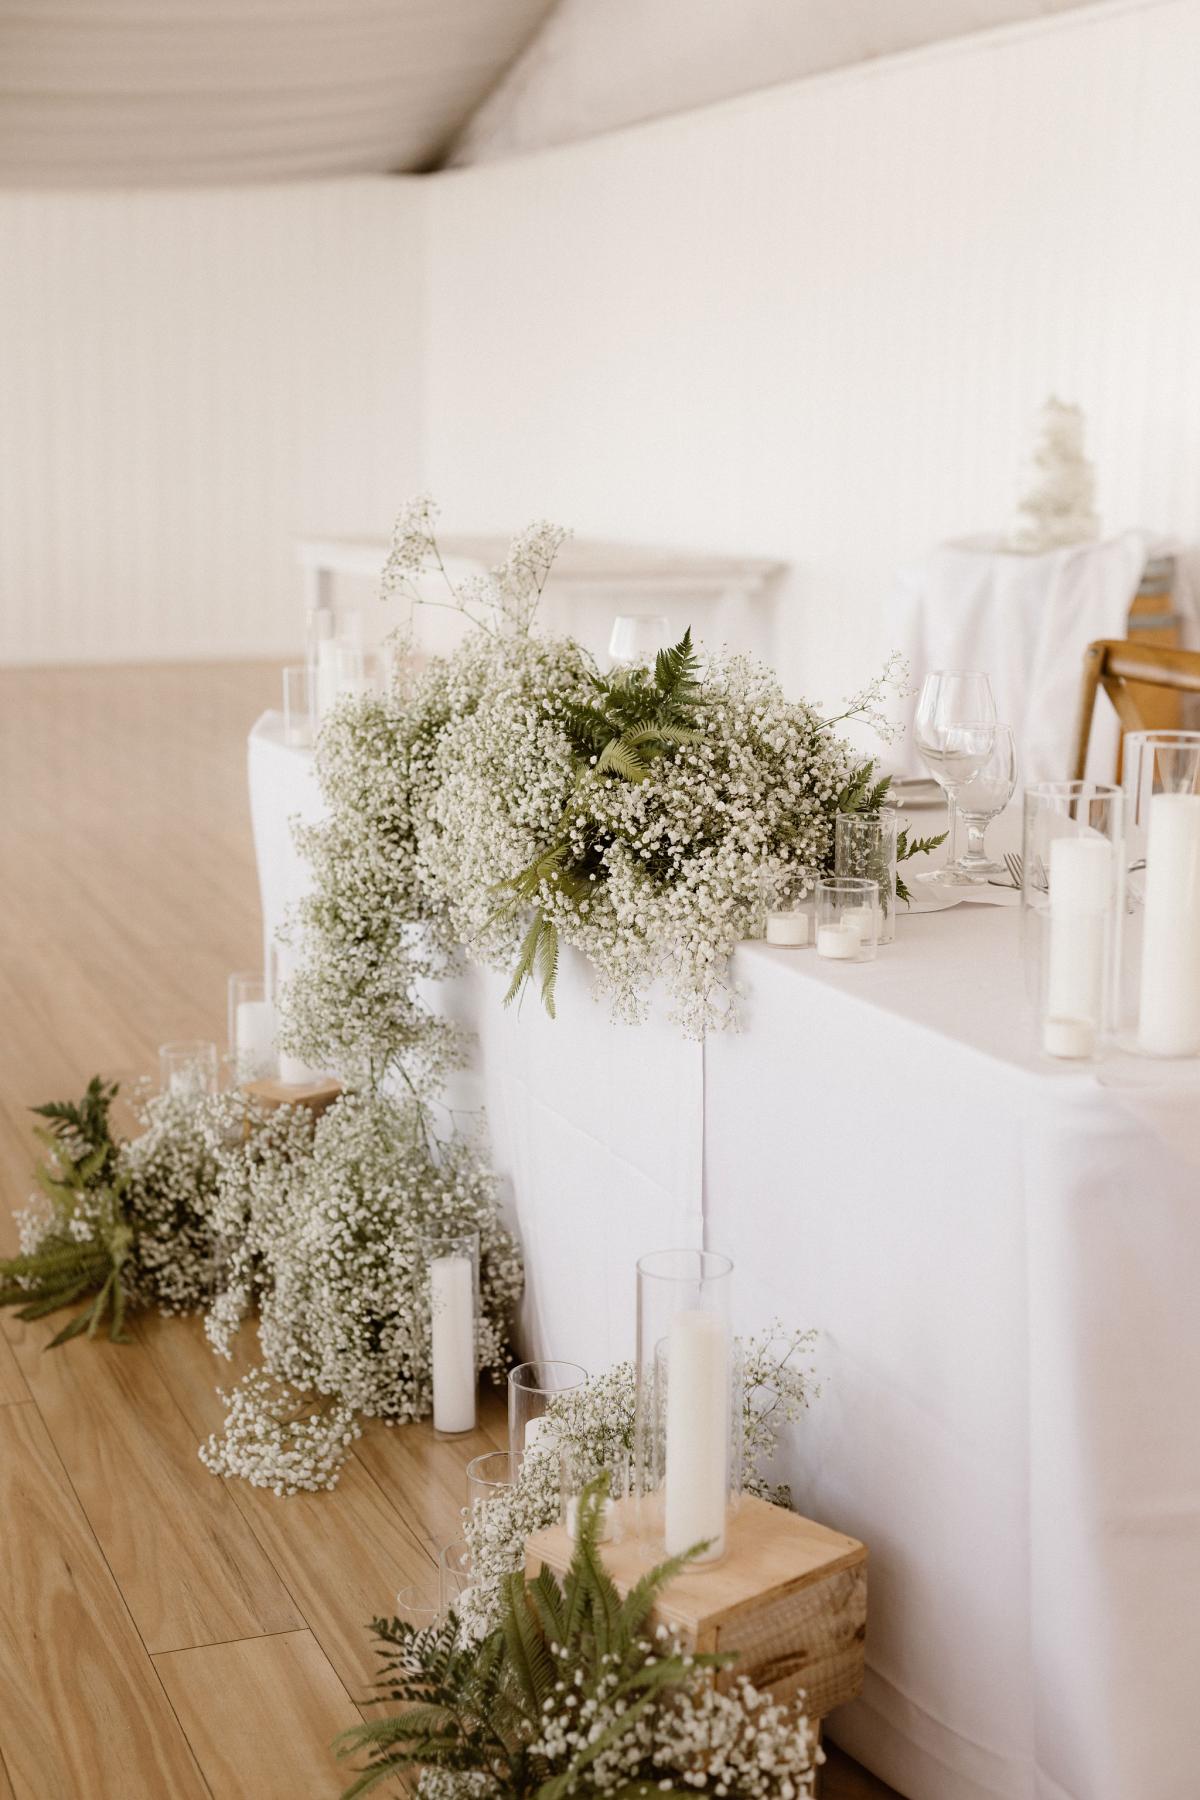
{"x":131,"y":92}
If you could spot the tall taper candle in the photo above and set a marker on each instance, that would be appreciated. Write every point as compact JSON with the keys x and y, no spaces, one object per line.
{"x":1081,"y":899}
{"x":1169,"y":1017}
{"x":452,"y":1280}
{"x":698,"y":1400}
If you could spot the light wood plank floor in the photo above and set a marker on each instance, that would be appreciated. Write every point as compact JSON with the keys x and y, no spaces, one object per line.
{"x":163,"y":1634}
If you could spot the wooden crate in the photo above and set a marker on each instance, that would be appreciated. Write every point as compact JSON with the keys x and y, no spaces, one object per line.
{"x":316,"y":1095}
{"x":790,"y":1596}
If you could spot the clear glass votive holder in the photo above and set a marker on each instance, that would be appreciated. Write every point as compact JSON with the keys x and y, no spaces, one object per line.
{"x":297,"y":705}
{"x":1162,"y":792}
{"x":687,"y":1466}
{"x":789,"y":924}
{"x":488,"y":1476}
{"x":577,"y":1471}
{"x":1072,"y":881}
{"x":865,"y":846}
{"x":188,"y":1068}
{"x":453,"y":1262}
{"x":417,"y":1607}
{"x":847,"y":911}
{"x":531,"y":1388}
{"x":454,"y":1575}
{"x":253,"y":1055}
{"x":637,"y":638}
{"x":340,"y":669}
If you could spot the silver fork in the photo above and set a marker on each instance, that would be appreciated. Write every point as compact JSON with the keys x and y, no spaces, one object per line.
{"x":1013,"y":865}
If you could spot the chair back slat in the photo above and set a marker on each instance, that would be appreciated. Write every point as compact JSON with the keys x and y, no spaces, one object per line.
{"x":1110,"y":664}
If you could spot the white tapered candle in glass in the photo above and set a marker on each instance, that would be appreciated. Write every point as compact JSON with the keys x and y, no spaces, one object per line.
{"x":1169,"y":1009}
{"x":1082,"y":871}
{"x":453,"y":1282}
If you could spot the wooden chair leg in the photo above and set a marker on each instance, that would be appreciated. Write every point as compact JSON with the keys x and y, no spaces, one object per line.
{"x":1093,"y":669}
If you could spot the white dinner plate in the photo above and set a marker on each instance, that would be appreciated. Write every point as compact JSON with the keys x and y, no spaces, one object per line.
{"x":928,"y":898}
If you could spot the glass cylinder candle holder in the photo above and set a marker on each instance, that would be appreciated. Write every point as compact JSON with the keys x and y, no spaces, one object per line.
{"x":847,"y":913}
{"x":340,"y":665}
{"x":637,"y":638}
{"x":578,"y":1470}
{"x":417,"y":1607}
{"x":297,"y":705}
{"x":488,"y":1476}
{"x":865,"y":846}
{"x":788,"y":922}
{"x":252,"y":1028}
{"x":454,"y":1575}
{"x":531,"y":1388}
{"x":453,"y":1260}
{"x":1071,"y":896}
{"x":188,"y":1068}
{"x":687,"y":1441}
{"x":1162,"y":790}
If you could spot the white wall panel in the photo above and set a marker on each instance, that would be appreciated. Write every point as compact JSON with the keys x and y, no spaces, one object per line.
{"x":187,"y":381}
{"x":815,"y":322}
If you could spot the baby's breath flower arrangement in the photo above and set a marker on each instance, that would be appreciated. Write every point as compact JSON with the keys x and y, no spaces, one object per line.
{"x":596,"y":1423}
{"x":574,"y":1693}
{"x":325,"y":1224}
{"x":510,"y":798}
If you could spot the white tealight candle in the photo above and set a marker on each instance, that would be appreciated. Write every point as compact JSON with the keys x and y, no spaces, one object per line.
{"x":452,"y":1281}
{"x":787,"y":928}
{"x":1069,"y":1038}
{"x":1169,"y":1017}
{"x":254,"y":1037}
{"x":698,"y":1400}
{"x":1081,"y":891}
{"x":841,"y":942}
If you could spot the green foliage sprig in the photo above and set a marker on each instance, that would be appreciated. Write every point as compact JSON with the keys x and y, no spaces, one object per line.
{"x":85,"y":1251}
{"x":488,"y":1710}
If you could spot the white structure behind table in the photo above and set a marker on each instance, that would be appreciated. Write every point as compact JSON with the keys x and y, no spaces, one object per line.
{"x":1002,"y":1256}
{"x":1027,"y":620}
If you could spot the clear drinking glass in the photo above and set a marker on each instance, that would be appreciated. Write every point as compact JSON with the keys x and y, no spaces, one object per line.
{"x":252,"y":1029}
{"x":637,"y":638}
{"x":977,"y":800}
{"x":488,"y":1475}
{"x":687,"y":1449}
{"x":297,"y":705}
{"x":453,"y":1261}
{"x":531,"y":1388}
{"x":1071,"y":903}
{"x":188,"y":1068}
{"x":952,"y":701}
{"x":454,"y":1575}
{"x":847,"y":918}
{"x":865,"y":846}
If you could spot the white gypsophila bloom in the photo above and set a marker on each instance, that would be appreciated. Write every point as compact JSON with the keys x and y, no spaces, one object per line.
{"x":327,"y":1225}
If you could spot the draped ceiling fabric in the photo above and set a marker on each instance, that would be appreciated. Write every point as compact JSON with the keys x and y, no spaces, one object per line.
{"x":128,"y":93}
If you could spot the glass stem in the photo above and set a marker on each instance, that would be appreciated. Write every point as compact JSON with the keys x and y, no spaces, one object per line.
{"x":976,"y":834}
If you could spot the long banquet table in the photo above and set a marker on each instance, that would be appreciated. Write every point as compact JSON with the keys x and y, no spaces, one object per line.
{"x":1002,"y":1257}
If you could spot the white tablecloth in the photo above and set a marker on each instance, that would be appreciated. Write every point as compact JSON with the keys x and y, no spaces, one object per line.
{"x":1003,"y":1259}
{"x":1026,"y":621}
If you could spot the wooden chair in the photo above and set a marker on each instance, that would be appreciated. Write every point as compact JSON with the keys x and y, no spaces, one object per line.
{"x":1113,"y":664}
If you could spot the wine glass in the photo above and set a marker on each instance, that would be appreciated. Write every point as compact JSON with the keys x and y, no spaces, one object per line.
{"x":956,"y":701}
{"x":986,"y":792}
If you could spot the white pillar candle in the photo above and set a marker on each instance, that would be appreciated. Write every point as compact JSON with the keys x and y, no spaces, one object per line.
{"x":328,"y":674}
{"x":787,"y":928}
{"x":1082,"y":870}
{"x":841,"y":942}
{"x":698,"y":1400}
{"x":540,"y":1434}
{"x":254,"y":1036}
{"x":1169,"y":1017}
{"x":452,"y":1280}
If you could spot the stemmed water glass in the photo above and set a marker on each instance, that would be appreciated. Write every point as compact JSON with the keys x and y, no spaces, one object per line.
{"x":977,"y":800}
{"x":954,"y":733}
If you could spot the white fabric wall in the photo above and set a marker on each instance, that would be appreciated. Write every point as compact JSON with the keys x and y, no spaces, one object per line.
{"x":187,"y":381}
{"x":815,"y":322}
